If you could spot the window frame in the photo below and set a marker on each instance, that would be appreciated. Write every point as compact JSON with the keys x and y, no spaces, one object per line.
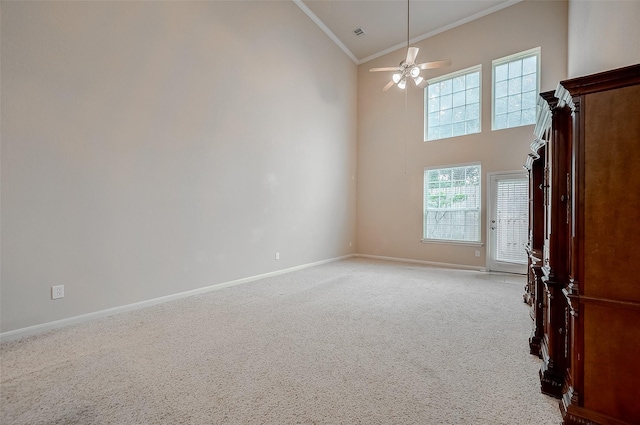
{"x":536,"y":51}
{"x":478,"y":209}
{"x":451,"y":76}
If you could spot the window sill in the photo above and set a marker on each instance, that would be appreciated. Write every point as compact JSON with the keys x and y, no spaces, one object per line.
{"x":438,"y":241}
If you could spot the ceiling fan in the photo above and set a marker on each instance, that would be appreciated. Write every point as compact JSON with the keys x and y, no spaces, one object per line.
{"x":408,"y":68}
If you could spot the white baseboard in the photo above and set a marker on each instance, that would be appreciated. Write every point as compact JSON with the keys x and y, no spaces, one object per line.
{"x":427,"y":263}
{"x":36,"y":329}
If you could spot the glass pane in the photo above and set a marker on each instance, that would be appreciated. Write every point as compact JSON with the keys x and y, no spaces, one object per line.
{"x":458,"y":84}
{"x":473,"y":178}
{"x":529,"y":100}
{"x":445,"y":87}
{"x":434,"y":90}
{"x":515,"y":85}
{"x":501,"y":121}
{"x":529,"y":116}
{"x":473,"y":126}
{"x":434,"y":119}
{"x":515,"y":103}
{"x":445,"y":131}
{"x":502,"y":72}
{"x":446,"y":116}
{"x":529,"y":83}
{"x":473,"y":95}
{"x":501,"y":105}
{"x":458,"y":99}
{"x":502,"y":89}
{"x":529,"y":65}
{"x":459,"y":173}
{"x":515,"y":119}
{"x":434,"y":104}
{"x":473,"y":80}
{"x":446,"y":102}
{"x":458,"y":114}
{"x":473,"y":111}
{"x":459,"y":129}
{"x":515,"y":68}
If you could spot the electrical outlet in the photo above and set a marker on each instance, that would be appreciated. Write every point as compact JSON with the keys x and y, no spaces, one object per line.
{"x":350,"y":244}
{"x":477,"y":253}
{"x":57,"y":292}
{"x":277,"y":255}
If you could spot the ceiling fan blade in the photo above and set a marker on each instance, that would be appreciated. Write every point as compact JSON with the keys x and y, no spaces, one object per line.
{"x":388,"y":86}
{"x":436,"y":64}
{"x":389,"y":68}
{"x":412,"y":53}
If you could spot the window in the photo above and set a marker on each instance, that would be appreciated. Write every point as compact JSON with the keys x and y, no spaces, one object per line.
{"x":452,"y":104}
{"x":452,"y":203}
{"x":515,"y":89}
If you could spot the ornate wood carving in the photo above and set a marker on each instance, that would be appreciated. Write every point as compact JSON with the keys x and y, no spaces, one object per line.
{"x":556,"y":239}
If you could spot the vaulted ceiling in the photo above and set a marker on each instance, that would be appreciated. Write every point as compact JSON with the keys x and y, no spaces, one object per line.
{"x":384,"y":22}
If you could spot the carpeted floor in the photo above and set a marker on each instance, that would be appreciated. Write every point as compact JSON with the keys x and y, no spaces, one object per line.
{"x":357,"y":341}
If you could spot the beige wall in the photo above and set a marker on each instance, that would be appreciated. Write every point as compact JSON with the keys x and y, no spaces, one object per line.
{"x":150,"y":148}
{"x":603,"y":35}
{"x":392,"y":154}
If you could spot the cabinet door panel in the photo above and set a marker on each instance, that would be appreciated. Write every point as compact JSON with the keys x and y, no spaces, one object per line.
{"x":612,"y":204}
{"x":611,"y":347}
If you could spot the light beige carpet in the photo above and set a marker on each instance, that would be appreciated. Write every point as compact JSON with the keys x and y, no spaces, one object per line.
{"x":351,"y":342}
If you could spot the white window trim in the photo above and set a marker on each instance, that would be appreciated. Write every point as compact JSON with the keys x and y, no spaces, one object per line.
{"x":537,"y":51}
{"x":450,"y":241}
{"x":447,"y":242}
{"x":450,"y":76}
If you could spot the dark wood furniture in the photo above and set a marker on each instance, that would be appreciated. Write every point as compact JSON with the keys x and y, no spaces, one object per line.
{"x":533,"y":296}
{"x":552,"y":276}
{"x":590,"y":340}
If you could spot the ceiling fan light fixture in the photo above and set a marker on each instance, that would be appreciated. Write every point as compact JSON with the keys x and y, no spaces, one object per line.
{"x":408,"y":67}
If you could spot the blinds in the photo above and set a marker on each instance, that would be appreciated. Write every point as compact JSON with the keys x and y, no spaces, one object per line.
{"x":512,"y":220}
{"x":452,"y":203}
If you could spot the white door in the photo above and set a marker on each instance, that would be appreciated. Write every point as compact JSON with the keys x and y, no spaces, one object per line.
{"x":508,"y":216}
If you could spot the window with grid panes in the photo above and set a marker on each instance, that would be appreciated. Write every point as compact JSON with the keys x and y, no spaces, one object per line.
{"x":515,"y":89}
{"x":452,"y":104}
{"x":452,"y":203}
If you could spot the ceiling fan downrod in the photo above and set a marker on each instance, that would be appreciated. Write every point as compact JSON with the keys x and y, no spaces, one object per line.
{"x":408,"y":67}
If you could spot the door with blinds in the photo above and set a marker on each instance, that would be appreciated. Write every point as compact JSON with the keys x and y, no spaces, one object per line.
{"x":508,"y":216}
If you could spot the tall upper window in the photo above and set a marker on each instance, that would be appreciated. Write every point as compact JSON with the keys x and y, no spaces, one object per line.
{"x":452,"y":104}
{"x":452,"y":203}
{"x":515,"y":89}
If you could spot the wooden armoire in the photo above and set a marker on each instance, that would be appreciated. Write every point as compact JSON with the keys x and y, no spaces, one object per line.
{"x":582,"y":286}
